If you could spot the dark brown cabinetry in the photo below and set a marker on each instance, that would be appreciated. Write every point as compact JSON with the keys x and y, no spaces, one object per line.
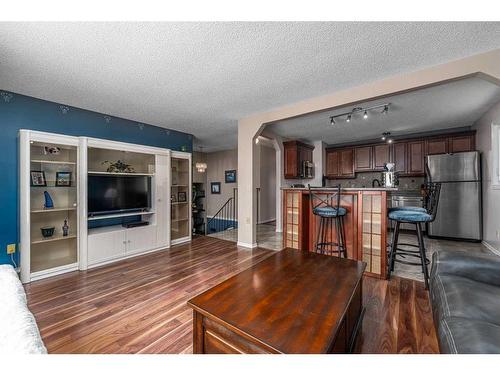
{"x":381,"y":155}
{"x":363,"y":158}
{"x":295,"y":154}
{"x":340,"y":163}
{"x":436,"y":146}
{"x":399,"y":157}
{"x":461,"y":143}
{"x":415,"y":159}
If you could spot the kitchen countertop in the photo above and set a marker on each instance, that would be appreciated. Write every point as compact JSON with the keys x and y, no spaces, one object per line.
{"x":344,"y":189}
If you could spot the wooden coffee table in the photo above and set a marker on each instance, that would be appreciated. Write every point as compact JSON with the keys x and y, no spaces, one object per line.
{"x":292,"y":302}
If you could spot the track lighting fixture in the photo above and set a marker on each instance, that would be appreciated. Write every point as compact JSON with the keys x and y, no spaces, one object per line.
{"x":348,"y":115}
{"x":386,"y":136}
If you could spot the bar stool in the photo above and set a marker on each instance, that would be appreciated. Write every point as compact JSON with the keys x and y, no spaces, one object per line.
{"x":418,"y":217}
{"x":330,"y":214}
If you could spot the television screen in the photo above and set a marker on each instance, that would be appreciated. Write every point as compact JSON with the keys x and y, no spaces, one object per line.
{"x":108,"y":194}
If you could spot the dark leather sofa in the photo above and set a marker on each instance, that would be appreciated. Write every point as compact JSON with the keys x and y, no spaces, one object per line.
{"x":465,"y":299}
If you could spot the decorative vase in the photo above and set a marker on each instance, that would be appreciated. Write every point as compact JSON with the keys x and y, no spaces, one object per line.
{"x":65,"y":228}
{"x":47,"y":231}
{"x":49,"y":203}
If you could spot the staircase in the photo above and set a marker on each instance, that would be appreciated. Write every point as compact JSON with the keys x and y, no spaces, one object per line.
{"x":226,"y":217}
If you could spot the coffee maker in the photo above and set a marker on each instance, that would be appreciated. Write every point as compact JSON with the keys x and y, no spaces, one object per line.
{"x":389,"y":177}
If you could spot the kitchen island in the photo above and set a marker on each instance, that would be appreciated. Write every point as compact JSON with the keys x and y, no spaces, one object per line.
{"x":365,"y":223}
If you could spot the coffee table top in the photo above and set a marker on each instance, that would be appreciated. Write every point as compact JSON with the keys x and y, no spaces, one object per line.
{"x":292,"y":302}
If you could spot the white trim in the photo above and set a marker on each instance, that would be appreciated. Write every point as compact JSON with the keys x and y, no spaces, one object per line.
{"x":491,"y":248}
{"x":130,"y":255}
{"x":179,"y":241}
{"x":495,"y":151}
{"x":247,"y":245}
{"x":54,"y":271}
{"x":122,"y":146}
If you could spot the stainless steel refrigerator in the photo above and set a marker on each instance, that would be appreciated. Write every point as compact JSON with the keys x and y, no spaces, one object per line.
{"x":459,"y":213}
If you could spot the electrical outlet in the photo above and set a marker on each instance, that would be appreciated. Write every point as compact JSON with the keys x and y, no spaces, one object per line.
{"x":11,"y":248}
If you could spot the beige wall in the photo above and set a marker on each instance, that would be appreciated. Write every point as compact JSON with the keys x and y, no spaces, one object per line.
{"x":491,"y":196}
{"x":267,"y":202}
{"x":217,"y":163}
{"x":486,"y":64}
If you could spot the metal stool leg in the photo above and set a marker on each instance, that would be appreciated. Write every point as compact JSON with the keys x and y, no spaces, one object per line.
{"x":392,"y":254}
{"x":422,"y":254}
{"x":337,"y":230}
{"x":342,"y":233}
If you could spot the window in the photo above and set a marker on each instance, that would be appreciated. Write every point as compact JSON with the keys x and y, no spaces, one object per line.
{"x":495,"y":148}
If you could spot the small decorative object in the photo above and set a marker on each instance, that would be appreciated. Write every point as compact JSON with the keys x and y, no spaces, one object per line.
{"x":7,"y":96}
{"x":215,"y":187}
{"x":173,"y":198}
{"x":38,"y":178}
{"x":64,"y":109}
{"x":65,"y":228}
{"x":47,"y":231}
{"x":182,"y":196}
{"x":118,"y":167}
{"x":51,"y":150}
{"x":230,"y":176}
{"x":49,"y":203}
{"x":63,"y":178}
{"x":184,"y":148}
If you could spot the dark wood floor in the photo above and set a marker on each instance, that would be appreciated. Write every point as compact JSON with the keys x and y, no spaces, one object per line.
{"x":139,"y":305}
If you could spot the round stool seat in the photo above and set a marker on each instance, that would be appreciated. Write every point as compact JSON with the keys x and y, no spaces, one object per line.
{"x":410,"y":216}
{"x":329,"y":211}
{"x":407,"y":208}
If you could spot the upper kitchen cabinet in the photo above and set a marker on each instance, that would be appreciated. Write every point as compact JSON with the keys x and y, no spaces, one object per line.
{"x":399,"y":157}
{"x":363,"y":159}
{"x":436,"y":146}
{"x":340,"y":163}
{"x":416,"y":158}
{"x":461,"y":143}
{"x":298,"y":160}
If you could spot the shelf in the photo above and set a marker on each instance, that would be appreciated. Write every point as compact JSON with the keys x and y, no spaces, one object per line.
{"x":178,"y":220}
{"x":179,"y":202}
{"x":179,"y":185}
{"x":120,"y":173}
{"x":56,"y":237}
{"x":53,"y":210}
{"x":53,"y":162}
{"x":47,"y":265}
{"x":54,"y":186}
{"x":111,"y":216}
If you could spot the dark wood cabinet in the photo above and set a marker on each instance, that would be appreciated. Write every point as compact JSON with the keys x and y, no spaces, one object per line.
{"x":415,"y":158}
{"x":363,"y":158}
{"x":295,"y":154}
{"x":340,"y":163}
{"x":381,"y":155}
{"x":436,"y":146}
{"x":399,"y":157}
{"x":461,"y":143}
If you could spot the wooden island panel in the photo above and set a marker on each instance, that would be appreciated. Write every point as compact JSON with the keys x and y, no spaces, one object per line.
{"x":364,"y":224}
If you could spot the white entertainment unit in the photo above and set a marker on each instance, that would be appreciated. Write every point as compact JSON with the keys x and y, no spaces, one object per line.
{"x":96,"y":240}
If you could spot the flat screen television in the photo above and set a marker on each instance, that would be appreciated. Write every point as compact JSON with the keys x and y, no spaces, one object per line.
{"x":116,"y":194}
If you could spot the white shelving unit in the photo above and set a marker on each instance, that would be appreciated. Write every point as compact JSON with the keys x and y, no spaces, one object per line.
{"x":180,"y":177}
{"x":89,"y":244}
{"x":47,"y":256}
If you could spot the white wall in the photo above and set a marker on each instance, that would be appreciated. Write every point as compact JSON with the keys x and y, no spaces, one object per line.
{"x":491,"y":197}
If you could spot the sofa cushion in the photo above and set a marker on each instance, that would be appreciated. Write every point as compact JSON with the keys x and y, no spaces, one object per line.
{"x":468,"y":336}
{"x":456,"y":296}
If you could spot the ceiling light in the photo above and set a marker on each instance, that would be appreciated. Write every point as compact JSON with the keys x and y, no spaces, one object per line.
{"x":348,"y":118}
{"x":383,"y":137}
{"x":257,"y":140}
{"x":357,"y":110}
{"x":365,"y":116}
{"x":386,"y":109}
{"x":389,"y":140}
{"x":332,"y":121}
{"x":201,"y":167}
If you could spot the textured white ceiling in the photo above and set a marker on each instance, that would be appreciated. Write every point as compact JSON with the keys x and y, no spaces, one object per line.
{"x":202,"y":77}
{"x":451,"y":105}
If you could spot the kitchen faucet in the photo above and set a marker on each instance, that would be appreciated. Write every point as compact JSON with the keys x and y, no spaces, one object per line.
{"x":377,"y":181}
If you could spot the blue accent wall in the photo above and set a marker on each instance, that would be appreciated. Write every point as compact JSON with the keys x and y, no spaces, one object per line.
{"x":24,"y":112}
{"x":219,"y":225}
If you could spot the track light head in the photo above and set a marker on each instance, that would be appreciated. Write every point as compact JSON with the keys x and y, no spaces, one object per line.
{"x":386,"y":109}
{"x":365,"y":115}
{"x":389,"y":140}
{"x":348,"y":118}
{"x":332,"y":121}
{"x":383,"y":137}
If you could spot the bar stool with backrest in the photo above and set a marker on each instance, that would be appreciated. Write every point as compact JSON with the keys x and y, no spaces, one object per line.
{"x":327,"y":207}
{"x":417,"y":217}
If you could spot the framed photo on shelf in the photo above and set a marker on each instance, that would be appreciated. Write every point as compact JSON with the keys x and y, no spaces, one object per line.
{"x":230,"y":176}
{"x":63,"y":178}
{"x":182,"y":196}
{"x":38,"y":178}
{"x":215,"y":187}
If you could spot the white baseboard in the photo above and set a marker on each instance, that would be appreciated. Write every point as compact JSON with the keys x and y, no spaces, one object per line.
{"x":491,"y":248}
{"x":247,"y":245}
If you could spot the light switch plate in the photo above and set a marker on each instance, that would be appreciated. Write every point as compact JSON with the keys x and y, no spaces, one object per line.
{"x":11,"y":248}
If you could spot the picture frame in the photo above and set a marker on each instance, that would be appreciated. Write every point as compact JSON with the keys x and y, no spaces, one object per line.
{"x":173,"y":198}
{"x":63,"y":179}
{"x":38,"y":178}
{"x":215,"y":187}
{"x":230,"y":176}
{"x":182,"y":196}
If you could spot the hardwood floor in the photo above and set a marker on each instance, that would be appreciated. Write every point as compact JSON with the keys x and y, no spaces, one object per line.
{"x":139,"y":305}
